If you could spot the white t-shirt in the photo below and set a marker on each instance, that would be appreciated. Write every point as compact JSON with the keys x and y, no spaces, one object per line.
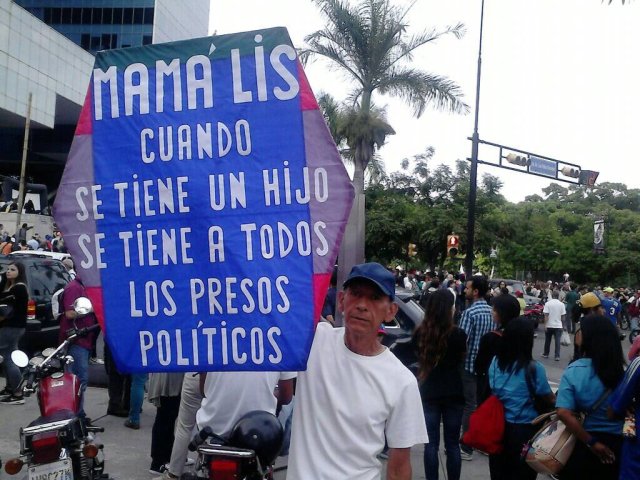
{"x":555,"y":308}
{"x":229,"y":395}
{"x":345,"y":406}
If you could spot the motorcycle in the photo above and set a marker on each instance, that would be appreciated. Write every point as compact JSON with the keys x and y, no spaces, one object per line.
{"x":535,"y":312}
{"x":59,"y":444}
{"x":247,"y":454}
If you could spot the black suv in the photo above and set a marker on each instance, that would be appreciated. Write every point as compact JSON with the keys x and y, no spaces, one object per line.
{"x":44,"y":277}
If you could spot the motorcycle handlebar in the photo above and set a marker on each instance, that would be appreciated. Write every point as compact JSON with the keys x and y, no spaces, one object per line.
{"x":74,"y":333}
{"x":83,"y":331}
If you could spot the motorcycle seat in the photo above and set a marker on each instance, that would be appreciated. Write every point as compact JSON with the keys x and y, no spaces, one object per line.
{"x":54,"y":417}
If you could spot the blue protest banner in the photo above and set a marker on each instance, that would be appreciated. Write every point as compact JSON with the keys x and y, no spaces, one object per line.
{"x":204,"y":201}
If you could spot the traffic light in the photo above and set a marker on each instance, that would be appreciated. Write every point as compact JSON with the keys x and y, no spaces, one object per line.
{"x":411,"y":250}
{"x":453,"y":245}
{"x":516,"y":159}
{"x":588,"y":177}
{"x":570,"y":172}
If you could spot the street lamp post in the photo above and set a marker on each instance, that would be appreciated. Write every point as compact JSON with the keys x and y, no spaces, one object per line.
{"x":473,"y":178}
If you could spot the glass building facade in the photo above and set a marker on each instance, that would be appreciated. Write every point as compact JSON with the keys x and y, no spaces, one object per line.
{"x":97,"y":24}
{"x":41,"y":55}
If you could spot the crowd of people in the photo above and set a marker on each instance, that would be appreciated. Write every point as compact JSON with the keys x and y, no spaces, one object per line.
{"x":489,"y":350}
{"x":23,"y":239}
{"x":473,"y":342}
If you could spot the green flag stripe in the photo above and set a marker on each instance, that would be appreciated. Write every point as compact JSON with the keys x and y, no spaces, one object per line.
{"x":184,"y":49}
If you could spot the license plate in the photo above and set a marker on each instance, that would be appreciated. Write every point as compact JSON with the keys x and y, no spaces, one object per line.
{"x":61,"y":470}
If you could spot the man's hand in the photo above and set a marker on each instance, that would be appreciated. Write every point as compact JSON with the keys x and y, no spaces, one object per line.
{"x":399,"y":464}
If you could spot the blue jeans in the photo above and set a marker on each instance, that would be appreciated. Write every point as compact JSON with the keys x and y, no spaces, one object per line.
{"x":137,"y":396}
{"x":80,"y":368}
{"x":9,"y":338}
{"x":450,"y":413}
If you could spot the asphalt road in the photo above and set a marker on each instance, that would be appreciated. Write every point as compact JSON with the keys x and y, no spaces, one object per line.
{"x":127,"y":451}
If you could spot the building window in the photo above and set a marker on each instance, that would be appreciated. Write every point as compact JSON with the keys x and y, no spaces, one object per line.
{"x":117,"y":16}
{"x":96,"y":16}
{"x":146,"y":39}
{"x":85,"y":41}
{"x":148,"y":16}
{"x":56,"y":15}
{"x":95,"y":44}
{"x":107,"y":16}
{"x":138,"y":16}
{"x":127,"y":16}
{"x":86,"y":16}
{"x":66,"y":16}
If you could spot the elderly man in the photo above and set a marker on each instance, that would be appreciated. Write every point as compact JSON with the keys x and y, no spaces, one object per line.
{"x":355,"y":393}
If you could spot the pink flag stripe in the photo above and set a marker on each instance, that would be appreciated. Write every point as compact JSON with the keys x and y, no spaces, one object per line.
{"x":307,"y":99}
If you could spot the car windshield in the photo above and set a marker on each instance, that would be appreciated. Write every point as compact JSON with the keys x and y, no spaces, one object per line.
{"x":409,"y":315}
{"x":44,"y":277}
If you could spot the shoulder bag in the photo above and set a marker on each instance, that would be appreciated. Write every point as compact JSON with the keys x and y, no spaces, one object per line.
{"x":486,"y":427}
{"x":550,"y":449}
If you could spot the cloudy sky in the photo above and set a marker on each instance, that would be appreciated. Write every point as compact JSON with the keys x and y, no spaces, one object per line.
{"x":560,"y":78}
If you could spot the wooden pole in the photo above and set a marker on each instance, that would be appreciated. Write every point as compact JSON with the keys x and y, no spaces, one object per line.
{"x":23,"y":168}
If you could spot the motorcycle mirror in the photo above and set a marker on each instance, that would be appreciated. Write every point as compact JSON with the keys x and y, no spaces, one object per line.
{"x":36,"y":361}
{"x":19,"y":358}
{"x":48,"y":351}
{"x":83,"y":306}
{"x":68,"y":359}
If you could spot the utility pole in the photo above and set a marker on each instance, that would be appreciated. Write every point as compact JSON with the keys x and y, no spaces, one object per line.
{"x":23,"y":168}
{"x":473,"y":178}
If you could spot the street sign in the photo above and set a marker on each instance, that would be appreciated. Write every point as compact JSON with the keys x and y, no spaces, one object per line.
{"x":588,"y":177}
{"x":204,"y":202}
{"x":543,"y":166}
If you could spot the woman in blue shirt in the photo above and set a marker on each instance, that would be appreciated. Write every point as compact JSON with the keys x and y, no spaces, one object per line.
{"x":596,"y":371}
{"x":508,"y":381}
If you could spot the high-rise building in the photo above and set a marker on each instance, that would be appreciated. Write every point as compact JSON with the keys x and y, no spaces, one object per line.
{"x":46,"y":49}
{"x":105,"y":24}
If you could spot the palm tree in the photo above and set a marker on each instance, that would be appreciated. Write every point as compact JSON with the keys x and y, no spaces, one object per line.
{"x":344,"y":127}
{"x":370,"y":43}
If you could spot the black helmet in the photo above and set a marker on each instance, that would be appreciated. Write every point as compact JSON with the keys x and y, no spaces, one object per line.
{"x":261,"y":432}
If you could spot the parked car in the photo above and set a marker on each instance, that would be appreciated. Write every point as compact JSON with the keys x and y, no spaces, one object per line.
{"x":45,"y":276}
{"x":398,"y":332}
{"x":42,"y":253}
{"x":514,"y":286}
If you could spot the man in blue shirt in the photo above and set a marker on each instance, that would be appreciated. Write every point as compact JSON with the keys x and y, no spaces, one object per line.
{"x":612,"y":308}
{"x":476,"y":321}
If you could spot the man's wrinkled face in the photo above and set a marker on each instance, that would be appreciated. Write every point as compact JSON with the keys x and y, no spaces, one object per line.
{"x":364,"y":307}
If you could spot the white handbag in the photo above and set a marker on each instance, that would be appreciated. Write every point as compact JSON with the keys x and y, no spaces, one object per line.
{"x":550,"y":449}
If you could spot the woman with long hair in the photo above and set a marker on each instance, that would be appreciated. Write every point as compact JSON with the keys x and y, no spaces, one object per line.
{"x":512,"y":375}
{"x":504,"y":308}
{"x":585,"y":385}
{"x":441,"y":347}
{"x":14,"y":293}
